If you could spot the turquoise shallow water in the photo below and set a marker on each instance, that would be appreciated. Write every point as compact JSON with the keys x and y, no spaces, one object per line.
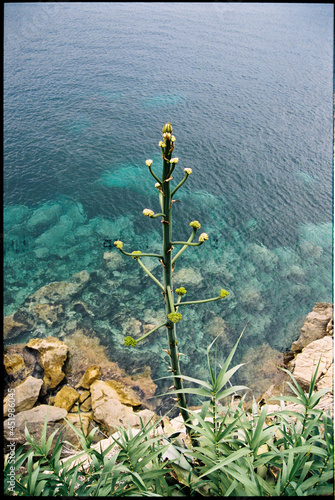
{"x":248,"y":90}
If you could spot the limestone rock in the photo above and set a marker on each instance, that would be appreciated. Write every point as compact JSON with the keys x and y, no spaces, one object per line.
{"x":91,"y":374}
{"x":82,"y":424}
{"x":113,"y":260}
{"x":108,"y":409}
{"x":187,"y":276}
{"x":15,"y":324}
{"x":26,"y":395}
{"x":66,"y":397}
{"x":304,"y":364}
{"x":52,"y":355}
{"x":34,"y":420}
{"x":261,"y":369}
{"x":13,"y":364}
{"x":48,"y":313}
{"x":327,"y":380}
{"x":315,"y":326}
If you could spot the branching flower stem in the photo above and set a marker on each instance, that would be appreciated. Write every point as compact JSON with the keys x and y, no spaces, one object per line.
{"x":187,"y":243}
{"x":198,"y":301}
{"x":179,"y":185}
{"x":150,"y":274}
{"x":151,"y":331}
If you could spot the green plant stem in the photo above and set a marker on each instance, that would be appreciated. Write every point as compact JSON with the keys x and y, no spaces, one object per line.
{"x":154,"y":175}
{"x":167,"y":281}
{"x":157,"y":256}
{"x":180,"y":184}
{"x":156,"y":215}
{"x":151,"y":331}
{"x":198,"y":301}
{"x":151,"y":275}
{"x":187,"y":244}
{"x":184,"y":247}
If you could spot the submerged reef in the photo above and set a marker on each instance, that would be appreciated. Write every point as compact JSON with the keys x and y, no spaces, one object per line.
{"x":271,"y":290}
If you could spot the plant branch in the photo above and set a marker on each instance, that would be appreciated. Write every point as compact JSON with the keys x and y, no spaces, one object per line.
{"x":149,"y":274}
{"x":180,"y":184}
{"x":185,"y":246}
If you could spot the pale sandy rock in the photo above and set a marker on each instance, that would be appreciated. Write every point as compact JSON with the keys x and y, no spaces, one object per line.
{"x":315,"y":326}
{"x":59,"y":291}
{"x":34,"y":419}
{"x":82,"y":423}
{"x":91,"y":374}
{"x":66,"y":398}
{"x":187,"y":276}
{"x":52,"y":355}
{"x":25,"y":395}
{"x":113,"y":260}
{"x":108,"y":409}
{"x":305,"y":363}
{"x":327,"y":380}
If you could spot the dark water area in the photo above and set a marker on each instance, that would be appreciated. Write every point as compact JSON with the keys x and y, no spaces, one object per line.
{"x":248,"y":89}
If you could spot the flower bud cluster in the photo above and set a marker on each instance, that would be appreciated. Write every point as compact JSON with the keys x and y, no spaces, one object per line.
{"x":148,"y":213}
{"x":175,"y":317}
{"x":180,"y":291}
{"x":174,"y":160}
{"x":188,"y":171}
{"x":148,"y":163}
{"x":223,"y":293}
{"x":129,"y":341}
{"x":118,"y":244}
{"x":195,"y":224}
{"x":203,"y":237}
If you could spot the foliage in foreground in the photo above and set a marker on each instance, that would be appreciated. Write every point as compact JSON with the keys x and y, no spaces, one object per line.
{"x":233,"y":452}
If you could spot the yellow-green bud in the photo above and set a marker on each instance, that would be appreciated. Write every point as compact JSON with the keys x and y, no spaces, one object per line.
{"x":203,"y":237}
{"x":195,"y":224}
{"x":161,"y":144}
{"x":223,"y":293}
{"x":148,"y":213}
{"x":148,"y":163}
{"x":173,"y":139}
{"x":175,"y":317}
{"x":180,"y":291}
{"x":167,"y":128}
{"x":174,"y":160}
{"x":118,"y":244}
{"x":157,"y":185}
{"x":188,"y":171}
{"x":166,"y":135}
{"x":129,"y":341}
{"x":136,"y":254}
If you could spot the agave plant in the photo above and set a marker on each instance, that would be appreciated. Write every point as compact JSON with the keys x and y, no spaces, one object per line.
{"x":168,"y":260}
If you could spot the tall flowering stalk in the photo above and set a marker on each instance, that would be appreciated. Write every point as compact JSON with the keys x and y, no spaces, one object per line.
{"x":163,"y":184}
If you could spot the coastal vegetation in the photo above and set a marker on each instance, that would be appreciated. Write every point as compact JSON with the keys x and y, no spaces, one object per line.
{"x":233,"y":453}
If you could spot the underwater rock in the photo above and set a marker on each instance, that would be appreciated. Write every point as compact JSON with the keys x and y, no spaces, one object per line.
{"x":113,"y":260}
{"x":15,"y":324}
{"x":261,"y":369}
{"x":261,"y":256}
{"x":187,"y":276}
{"x":66,"y":398}
{"x":304,"y":364}
{"x":315,"y":326}
{"x":132,"y":327}
{"x":26,"y":395}
{"x":91,"y":374}
{"x":59,"y":291}
{"x":34,"y":420}
{"x":218,"y":327}
{"x":52,"y":356}
{"x":44,"y":217}
{"x":48,"y":313}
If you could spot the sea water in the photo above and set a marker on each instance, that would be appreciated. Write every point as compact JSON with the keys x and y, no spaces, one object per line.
{"x":248,"y":90}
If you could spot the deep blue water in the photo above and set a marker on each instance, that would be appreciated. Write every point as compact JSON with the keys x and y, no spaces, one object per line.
{"x":248,"y":90}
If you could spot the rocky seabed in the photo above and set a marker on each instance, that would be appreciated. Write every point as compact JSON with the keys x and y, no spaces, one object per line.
{"x":73,"y":379}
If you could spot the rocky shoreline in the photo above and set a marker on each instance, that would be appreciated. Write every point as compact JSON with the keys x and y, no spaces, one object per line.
{"x":53,"y":377}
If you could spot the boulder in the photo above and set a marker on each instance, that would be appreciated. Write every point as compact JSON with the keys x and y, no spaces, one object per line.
{"x":13,"y":364}
{"x":304,"y":364}
{"x":108,"y":410}
{"x":317,"y":324}
{"x":91,"y":374}
{"x":48,"y":313}
{"x":52,"y":355}
{"x":14,"y":429}
{"x":15,"y":324}
{"x":25,"y":394}
{"x":66,"y":398}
